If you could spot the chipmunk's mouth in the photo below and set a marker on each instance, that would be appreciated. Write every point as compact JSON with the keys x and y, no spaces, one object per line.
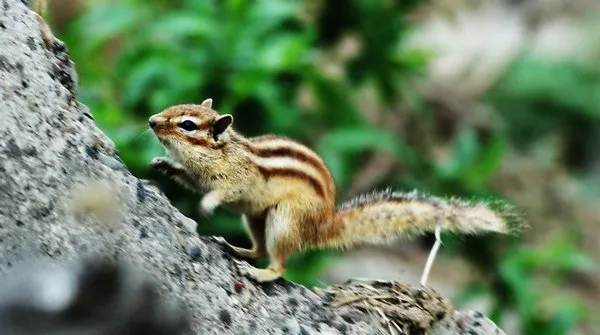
{"x":161,"y":139}
{"x":163,"y":135}
{"x":169,"y":146}
{"x":172,"y":146}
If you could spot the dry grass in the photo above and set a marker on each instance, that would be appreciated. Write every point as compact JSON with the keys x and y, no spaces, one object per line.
{"x":400,"y":308}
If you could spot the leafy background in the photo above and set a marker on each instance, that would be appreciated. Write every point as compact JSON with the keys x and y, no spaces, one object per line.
{"x":482,"y":100}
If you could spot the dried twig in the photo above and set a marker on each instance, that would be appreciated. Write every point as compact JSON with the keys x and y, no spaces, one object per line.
{"x":432,"y":254}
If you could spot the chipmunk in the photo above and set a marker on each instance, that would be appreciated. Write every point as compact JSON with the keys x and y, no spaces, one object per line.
{"x":286,"y":194}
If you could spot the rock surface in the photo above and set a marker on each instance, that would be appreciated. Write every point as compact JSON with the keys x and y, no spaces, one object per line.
{"x":49,"y":145}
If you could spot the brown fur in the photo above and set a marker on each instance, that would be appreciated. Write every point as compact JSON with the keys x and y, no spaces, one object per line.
{"x":287,"y":195}
{"x":294,"y":175}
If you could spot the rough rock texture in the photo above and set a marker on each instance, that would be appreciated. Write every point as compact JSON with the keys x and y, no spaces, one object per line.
{"x":90,"y":296}
{"x":49,"y":144}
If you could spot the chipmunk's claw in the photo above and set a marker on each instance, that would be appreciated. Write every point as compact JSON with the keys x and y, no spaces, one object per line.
{"x":166,"y":166}
{"x":225,"y":246}
{"x":245,"y":269}
{"x":218,"y":239}
{"x":160,"y":163}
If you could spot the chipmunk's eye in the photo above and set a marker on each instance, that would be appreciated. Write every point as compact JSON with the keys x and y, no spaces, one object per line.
{"x":188,"y":125}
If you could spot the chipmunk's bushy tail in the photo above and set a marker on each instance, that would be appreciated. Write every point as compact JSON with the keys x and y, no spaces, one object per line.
{"x":382,"y":217}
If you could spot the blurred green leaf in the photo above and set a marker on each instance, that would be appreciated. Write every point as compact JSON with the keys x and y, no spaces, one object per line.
{"x":471,"y":162}
{"x":564,"y":83}
{"x":349,"y":140}
{"x":282,"y":53}
{"x":174,"y":28}
{"x":564,"y":320}
{"x":489,"y":159}
{"x":108,"y":21}
{"x":466,"y":148}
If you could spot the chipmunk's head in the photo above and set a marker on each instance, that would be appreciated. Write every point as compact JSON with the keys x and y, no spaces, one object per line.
{"x":192,"y":130}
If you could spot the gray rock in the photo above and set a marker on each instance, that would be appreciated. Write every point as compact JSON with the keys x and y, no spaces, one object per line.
{"x":466,"y":322}
{"x":49,"y":145}
{"x":91,"y":296}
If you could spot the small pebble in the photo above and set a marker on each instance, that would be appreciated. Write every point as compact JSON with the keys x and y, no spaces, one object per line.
{"x":92,"y":152}
{"x":225,"y":317}
{"x":191,"y":285}
{"x":195,"y":252}
{"x":341,"y":327}
{"x":327,"y":297}
{"x":291,"y":326}
{"x":238,"y":286}
{"x":140,"y":191}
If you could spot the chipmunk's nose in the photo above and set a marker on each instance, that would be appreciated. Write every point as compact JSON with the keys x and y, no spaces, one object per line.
{"x":155,"y":120}
{"x":152,"y":121}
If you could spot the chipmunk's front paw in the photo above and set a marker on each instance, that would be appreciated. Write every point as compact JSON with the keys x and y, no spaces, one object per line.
{"x":161,"y":163}
{"x":206,"y":210}
{"x":209,"y":203}
{"x":165,"y":166}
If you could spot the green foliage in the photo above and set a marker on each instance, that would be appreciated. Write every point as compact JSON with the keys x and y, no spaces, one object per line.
{"x":343,"y":141}
{"x":472,"y":162}
{"x":539,"y":97}
{"x":532,"y":279}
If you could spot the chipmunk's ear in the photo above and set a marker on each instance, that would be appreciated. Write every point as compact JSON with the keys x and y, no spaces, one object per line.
{"x":222,"y":123}
{"x":207,"y":103}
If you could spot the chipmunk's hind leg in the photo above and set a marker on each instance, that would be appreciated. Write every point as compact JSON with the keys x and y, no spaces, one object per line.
{"x":281,"y":240}
{"x":255,"y":226}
